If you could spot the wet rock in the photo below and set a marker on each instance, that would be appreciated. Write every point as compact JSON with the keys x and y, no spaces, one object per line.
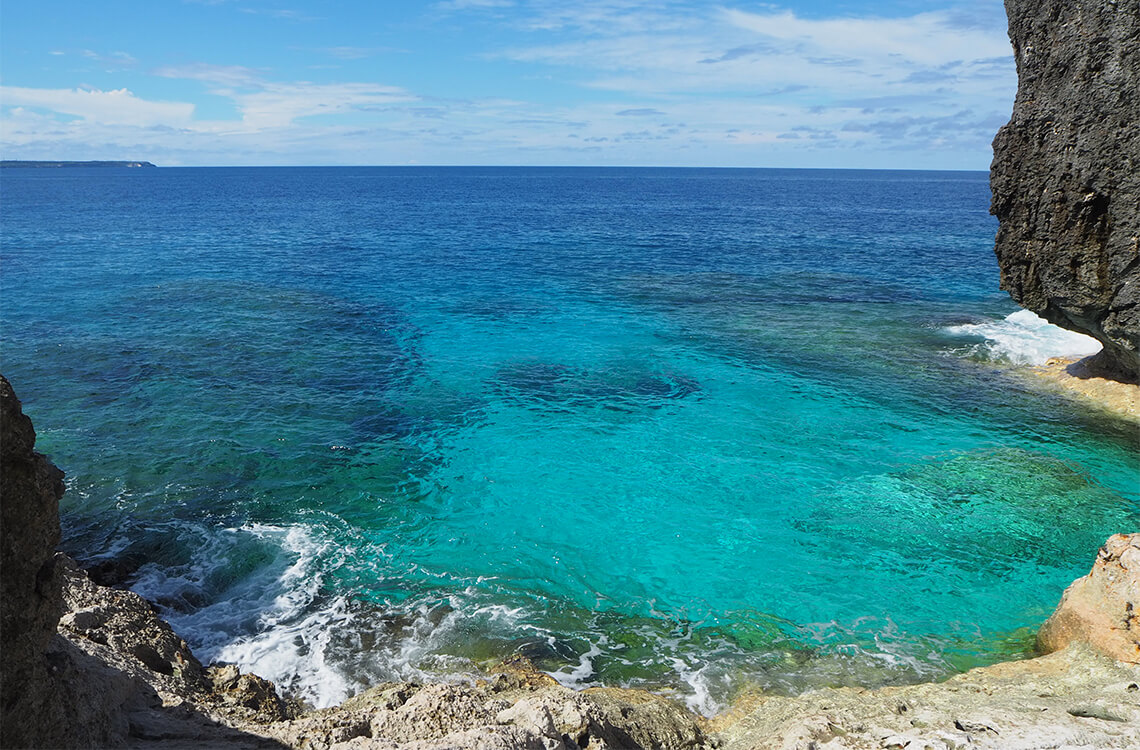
{"x":1066,"y":172}
{"x":518,"y":707}
{"x":256,"y":695}
{"x":1102,"y":608}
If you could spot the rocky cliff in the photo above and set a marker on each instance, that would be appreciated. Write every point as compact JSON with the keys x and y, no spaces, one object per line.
{"x":1066,"y":172}
{"x":86,"y":666}
{"x":30,"y":488}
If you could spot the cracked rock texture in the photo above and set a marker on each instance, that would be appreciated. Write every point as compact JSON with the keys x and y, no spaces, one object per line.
{"x":1075,"y":699}
{"x":1066,"y":172}
{"x":516,"y":708}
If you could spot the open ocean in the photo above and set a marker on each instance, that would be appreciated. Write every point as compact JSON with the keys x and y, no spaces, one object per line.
{"x":683,"y":429}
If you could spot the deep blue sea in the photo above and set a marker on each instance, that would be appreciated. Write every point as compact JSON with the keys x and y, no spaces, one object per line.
{"x":685,"y":429}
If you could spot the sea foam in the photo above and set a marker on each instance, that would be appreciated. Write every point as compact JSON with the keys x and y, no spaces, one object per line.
{"x":1026,"y":339}
{"x":274,"y":621}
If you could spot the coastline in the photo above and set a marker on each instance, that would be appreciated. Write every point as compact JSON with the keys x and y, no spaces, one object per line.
{"x":1077,"y":697}
{"x":1074,"y":378}
{"x":97,"y":667}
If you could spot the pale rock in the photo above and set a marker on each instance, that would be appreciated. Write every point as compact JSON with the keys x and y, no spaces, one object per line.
{"x":1101,"y":609}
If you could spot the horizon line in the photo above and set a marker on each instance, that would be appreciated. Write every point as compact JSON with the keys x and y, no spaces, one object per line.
{"x":79,"y":162}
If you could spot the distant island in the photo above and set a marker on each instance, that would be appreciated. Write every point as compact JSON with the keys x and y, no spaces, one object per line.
{"x":57,"y":164}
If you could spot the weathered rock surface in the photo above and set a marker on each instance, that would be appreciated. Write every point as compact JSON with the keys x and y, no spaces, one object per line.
{"x":118,"y":676}
{"x":109,"y":673}
{"x":1066,"y":172}
{"x":132,"y":682}
{"x":1101,"y":609}
{"x":1075,"y":699}
{"x":517,"y":708}
{"x":127,"y":680}
{"x":30,"y":488}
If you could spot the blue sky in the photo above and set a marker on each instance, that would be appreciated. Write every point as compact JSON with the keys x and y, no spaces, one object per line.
{"x":893,"y":84}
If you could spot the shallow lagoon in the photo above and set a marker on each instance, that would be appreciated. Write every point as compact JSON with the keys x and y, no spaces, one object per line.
{"x":688,"y":429}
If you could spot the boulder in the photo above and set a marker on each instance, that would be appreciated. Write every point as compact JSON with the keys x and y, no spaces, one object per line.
{"x":1101,"y":609}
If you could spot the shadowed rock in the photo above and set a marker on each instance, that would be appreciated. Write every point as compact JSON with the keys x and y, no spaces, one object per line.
{"x":30,"y":488}
{"x":109,"y":672}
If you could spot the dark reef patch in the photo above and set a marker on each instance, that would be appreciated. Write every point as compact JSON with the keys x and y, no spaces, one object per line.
{"x":560,"y":387}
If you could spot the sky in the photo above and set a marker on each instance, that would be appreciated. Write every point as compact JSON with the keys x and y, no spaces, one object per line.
{"x":894,"y":84}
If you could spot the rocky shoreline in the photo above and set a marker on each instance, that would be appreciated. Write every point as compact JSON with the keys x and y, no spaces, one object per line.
{"x":1077,"y":697}
{"x":1086,"y":695}
{"x":1081,"y":380}
{"x":89,"y":666}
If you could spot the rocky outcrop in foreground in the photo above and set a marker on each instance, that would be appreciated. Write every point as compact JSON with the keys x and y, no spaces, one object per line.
{"x":1066,"y":172}
{"x":1072,"y":699}
{"x":30,"y":605}
{"x":1100,"y":609}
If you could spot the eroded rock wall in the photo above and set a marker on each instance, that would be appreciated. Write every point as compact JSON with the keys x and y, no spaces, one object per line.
{"x":30,"y":601}
{"x":1066,"y":171}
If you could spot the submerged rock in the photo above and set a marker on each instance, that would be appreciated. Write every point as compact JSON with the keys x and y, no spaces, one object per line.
{"x":1101,"y":609}
{"x":1066,"y":172}
{"x":116,"y":675}
{"x":1086,"y":695}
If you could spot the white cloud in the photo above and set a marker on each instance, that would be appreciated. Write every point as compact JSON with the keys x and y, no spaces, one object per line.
{"x":732,"y":50}
{"x":118,"y":57}
{"x":458,"y":5}
{"x":684,"y":83}
{"x":265,"y":104}
{"x":926,"y":39}
{"x":277,"y":105}
{"x":236,"y":76}
{"x":116,"y":107}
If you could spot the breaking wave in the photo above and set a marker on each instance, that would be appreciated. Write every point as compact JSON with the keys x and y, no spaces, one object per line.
{"x":1023,"y":338}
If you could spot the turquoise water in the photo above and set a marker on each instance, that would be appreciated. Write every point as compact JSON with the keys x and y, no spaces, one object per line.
{"x":684,"y":429}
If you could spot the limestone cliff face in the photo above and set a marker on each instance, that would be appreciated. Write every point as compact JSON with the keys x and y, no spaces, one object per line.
{"x":1066,"y":171}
